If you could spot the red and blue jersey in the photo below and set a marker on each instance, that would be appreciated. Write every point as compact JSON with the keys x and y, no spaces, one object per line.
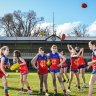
{"x":94,"y":58}
{"x":64,"y":63}
{"x":74,"y":63}
{"x":81,"y":61}
{"x":23,"y":68}
{"x":41,"y":63}
{"x":6,"y":62}
{"x":55,"y":61}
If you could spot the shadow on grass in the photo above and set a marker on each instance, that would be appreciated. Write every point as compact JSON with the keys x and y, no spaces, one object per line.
{"x":85,"y":88}
{"x":11,"y":88}
{"x":34,"y":93}
{"x":94,"y":93}
{"x":12,"y":77}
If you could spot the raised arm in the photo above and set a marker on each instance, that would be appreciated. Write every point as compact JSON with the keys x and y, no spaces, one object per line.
{"x":78,"y":54}
{"x":82,"y":53}
{"x":70,"y":48}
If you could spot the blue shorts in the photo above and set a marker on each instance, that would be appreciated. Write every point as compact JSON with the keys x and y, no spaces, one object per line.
{"x":82,"y":66}
{"x":94,"y":71}
{"x":24,"y":73}
{"x":54,"y":71}
{"x":63,"y":66}
{"x":75,"y":71}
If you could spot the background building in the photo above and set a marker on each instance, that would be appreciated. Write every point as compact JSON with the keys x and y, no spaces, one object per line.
{"x":29,"y":45}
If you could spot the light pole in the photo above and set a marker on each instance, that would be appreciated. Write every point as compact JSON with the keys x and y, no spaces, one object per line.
{"x":54,"y":32}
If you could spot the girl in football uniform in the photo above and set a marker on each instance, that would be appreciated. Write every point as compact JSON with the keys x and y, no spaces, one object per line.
{"x":92,"y":46}
{"x":64,"y":69}
{"x":54,"y":57}
{"x":74,"y":66}
{"x":4,"y":63}
{"x":42,"y":69}
{"x":17,"y":58}
{"x":81,"y":65}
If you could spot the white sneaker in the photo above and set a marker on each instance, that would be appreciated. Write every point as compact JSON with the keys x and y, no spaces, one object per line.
{"x":21,"y":92}
{"x":68,"y":90}
{"x":29,"y":91}
{"x":46,"y":94}
{"x":84,"y":86}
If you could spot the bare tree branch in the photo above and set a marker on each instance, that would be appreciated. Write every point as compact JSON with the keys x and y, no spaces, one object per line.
{"x":80,"y":31}
{"x":19,"y":23}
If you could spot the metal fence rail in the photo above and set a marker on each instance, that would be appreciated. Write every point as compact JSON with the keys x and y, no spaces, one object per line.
{"x":31,"y":55}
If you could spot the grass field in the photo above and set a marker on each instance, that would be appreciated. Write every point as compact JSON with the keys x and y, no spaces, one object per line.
{"x":14,"y":86}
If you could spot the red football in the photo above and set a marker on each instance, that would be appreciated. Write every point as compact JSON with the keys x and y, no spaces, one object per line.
{"x":84,"y":5}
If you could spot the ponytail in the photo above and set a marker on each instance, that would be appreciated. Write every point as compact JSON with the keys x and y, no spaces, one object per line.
{"x":17,"y":55}
{"x":2,"y":49}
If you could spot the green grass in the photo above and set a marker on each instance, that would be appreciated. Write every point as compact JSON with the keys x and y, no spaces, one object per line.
{"x":14,"y":86}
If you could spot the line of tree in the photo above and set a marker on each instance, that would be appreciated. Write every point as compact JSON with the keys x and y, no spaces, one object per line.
{"x":24,"y":24}
{"x":80,"y":31}
{"x":19,"y":23}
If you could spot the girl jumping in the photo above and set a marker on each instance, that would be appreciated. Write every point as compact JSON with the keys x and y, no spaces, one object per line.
{"x":74,"y":66}
{"x":81,"y":65}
